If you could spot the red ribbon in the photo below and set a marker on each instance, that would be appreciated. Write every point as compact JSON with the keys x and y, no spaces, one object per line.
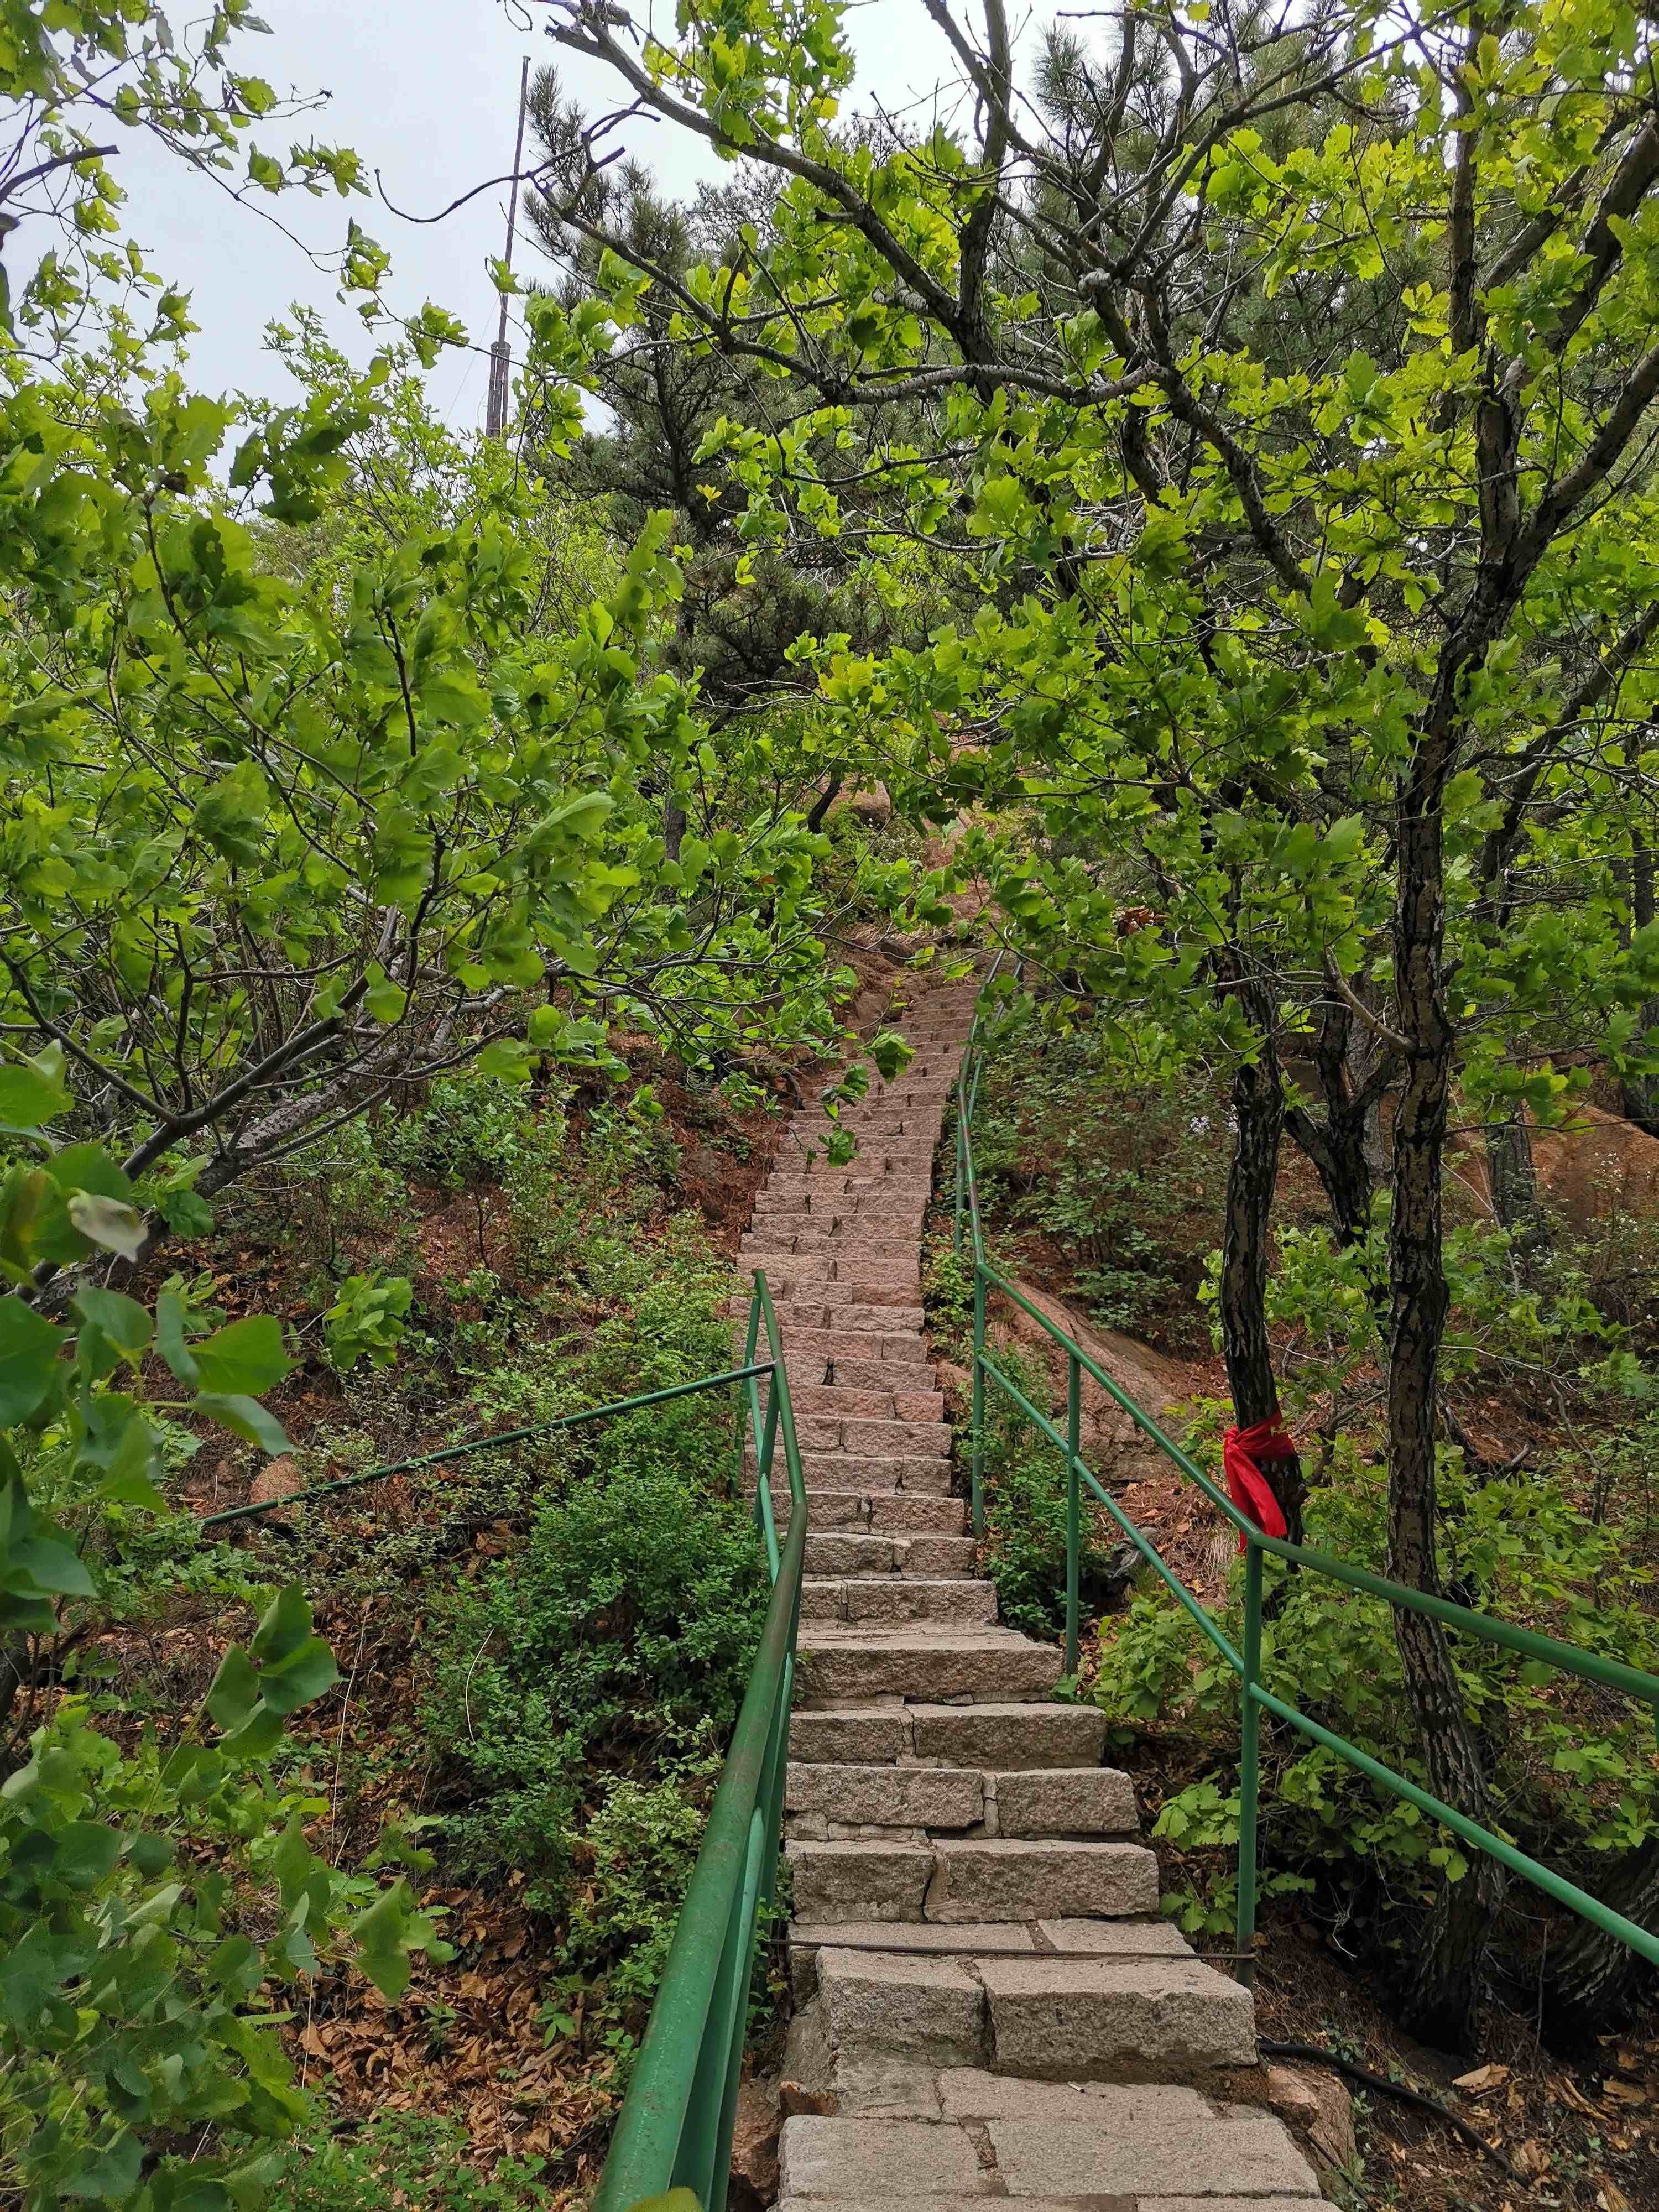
{"x":1241,"y":1451}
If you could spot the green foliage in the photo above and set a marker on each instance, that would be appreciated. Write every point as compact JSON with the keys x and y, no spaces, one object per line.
{"x":367,"y":1317}
{"x":406,"y":2157}
{"x":632,"y":1609}
{"x":1082,"y":1135}
{"x":1574,"y":1773}
{"x":132,"y":1979}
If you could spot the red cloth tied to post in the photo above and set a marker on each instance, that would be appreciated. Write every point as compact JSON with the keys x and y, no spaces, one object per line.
{"x":1243,"y":1452}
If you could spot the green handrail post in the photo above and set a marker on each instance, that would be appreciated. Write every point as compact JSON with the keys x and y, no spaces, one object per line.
{"x":1249,"y":1761}
{"x":978,"y":1459}
{"x":962,"y":1176}
{"x":1073,"y":1504}
{"x":747,"y":1391}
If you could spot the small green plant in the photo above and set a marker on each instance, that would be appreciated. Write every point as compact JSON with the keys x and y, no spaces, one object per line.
{"x":367,"y":1317}
{"x":407,"y":2158}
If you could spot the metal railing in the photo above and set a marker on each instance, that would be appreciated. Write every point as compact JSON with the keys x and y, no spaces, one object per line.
{"x":674,"y":2131}
{"x":1255,"y":1698}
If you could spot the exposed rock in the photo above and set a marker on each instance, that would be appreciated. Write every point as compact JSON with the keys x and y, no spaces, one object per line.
{"x":796,"y":2098}
{"x":754,"y":2147}
{"x":278,"y":1477}
{"x":1318,"y":2107}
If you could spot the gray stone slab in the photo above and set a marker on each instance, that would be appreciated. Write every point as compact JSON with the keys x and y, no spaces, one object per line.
{"x":885,"y":1599}
{"x":906,"y":1513}
{"x":1013,"y":1735}
{"x":1066,"y":1800}
{"x":920,"y":2007}
{"x":1072,"y":2019}
{"x":859,"y":1881}
{"x":1156,"y":1939}
{"x":997,"y":1937}
{"x":882,"y":2159}
{"x":893,"y":1797}
{"x":1026,"y":2204}
{"x":973,"y":2094}
{"x":865,"y":1739}
{"x":1017,"y":1881}
{"x":926,"y":1667}
{"x":1128,"y":2149}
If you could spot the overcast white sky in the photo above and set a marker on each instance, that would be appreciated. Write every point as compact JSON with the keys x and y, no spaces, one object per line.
{"x":425,"y":91}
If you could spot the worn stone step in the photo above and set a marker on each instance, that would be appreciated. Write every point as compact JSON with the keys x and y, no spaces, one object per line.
{"x":1068,"y":1801}
{"x":988,"y":1735}
{"x":854,"y":1372}
{"x":1012,"y":1880}
{"x":836,"y":1553}
{"x":886,"y":1598}
{"x":915,"y":1472}
{"x":985,"y":1939}
{"x":958,"y":1881}
{"x":892,"y":1348}
{"x":887,"y":1512}
{"x":849,"y":1325}
{"x":1029,"y":2017}
{"x":1158,"y":2148}
{"x":864,"y":1436}
{"x":846,"y":1282}
{"x":806,"y":1239}
{"x":844,"y":1470}
{"x":838,"y":1400}
{"x":927,"y":1666}
{"x":1104,"y":2019}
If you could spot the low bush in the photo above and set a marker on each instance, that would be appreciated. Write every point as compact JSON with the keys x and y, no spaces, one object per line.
{"x":1573,"y":1774}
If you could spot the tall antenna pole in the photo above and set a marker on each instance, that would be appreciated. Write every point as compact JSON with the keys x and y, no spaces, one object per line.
{"x":500,"y":354}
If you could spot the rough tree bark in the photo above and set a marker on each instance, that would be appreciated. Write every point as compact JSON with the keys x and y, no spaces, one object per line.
{"x":1640,"y":1092}
{"x":1589,"y":1978}
{"x":1354,"y":1070}
{"x":1252,"y":1173}
{"x":1514,"y":1180}
{"x":1444,"y":1981}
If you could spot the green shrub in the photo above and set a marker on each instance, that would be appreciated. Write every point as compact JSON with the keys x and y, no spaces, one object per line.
{"x":630,"y":1616}
{"x":1025,"y":1511}
{"x":1113,"y":1162}
{"x":1572,"y":1769}
{"x":367,"y":1317}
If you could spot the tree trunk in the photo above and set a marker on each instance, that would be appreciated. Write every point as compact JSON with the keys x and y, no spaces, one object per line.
{"x":1443,"y":1982}
{"x":1343,"y":1144}
{"x":1640,"y":1092}
{"x":1589,"y":1978}
{"x":1252,"y":1173}
{"x":1514,"y":1180}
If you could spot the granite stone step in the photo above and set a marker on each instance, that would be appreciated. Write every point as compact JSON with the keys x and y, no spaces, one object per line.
{"x":959,"y":1882}
{"x":1048,"y":1803}
{"x":1155,"y":2148}
{"x":929,"y":1666}
{"x":887,"y":1600}
{"x":836,"y":1553}
{"x":1133,"y":2014}
{"x":989,"y":1734}
{"x":883,"y":1512}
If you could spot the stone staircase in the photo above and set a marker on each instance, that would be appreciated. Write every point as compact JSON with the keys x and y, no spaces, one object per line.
{"x":986,"y":2003}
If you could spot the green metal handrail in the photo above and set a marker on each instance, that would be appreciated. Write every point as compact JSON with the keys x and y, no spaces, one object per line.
{"x":674,"y":2131}
{"x":1254,"y":1699}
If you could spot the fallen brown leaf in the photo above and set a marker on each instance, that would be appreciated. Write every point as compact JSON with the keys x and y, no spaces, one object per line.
{"x":1482,"y":2080}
